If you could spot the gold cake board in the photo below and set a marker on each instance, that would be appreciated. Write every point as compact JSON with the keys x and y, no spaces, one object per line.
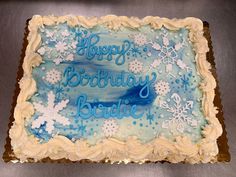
{"x":222,"y":141}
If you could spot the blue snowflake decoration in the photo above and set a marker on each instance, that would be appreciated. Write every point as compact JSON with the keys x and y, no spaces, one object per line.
{"x":185,"y":82}
{"x":150,"y":117}
{"x":135,"y":51}
{"x":82,"y":129}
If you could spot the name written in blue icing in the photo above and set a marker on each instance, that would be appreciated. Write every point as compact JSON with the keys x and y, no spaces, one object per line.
{"x":118,"y":110}
{"x":87,"y":47}
{"x":102,"y":78}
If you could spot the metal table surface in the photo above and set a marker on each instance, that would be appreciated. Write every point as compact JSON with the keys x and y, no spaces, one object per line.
{"x":221,"y":16}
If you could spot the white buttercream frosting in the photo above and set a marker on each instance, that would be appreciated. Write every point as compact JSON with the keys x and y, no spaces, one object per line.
{"x":181,"y":149}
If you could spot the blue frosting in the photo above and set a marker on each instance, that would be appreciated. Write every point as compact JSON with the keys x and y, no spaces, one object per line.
{"x":145,"y":80}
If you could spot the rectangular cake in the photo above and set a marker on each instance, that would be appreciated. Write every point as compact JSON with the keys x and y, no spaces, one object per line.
{"x":117,"y":89}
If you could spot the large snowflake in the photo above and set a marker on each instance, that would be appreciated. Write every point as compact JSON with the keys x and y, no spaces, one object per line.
{"x":50,"y":113}
{"x":179,"y":114}
{"x":59,"y":45}
{"x":168,"y":53}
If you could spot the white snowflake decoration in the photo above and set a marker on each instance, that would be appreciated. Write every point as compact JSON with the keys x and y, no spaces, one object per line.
{"x":136,"y":66}
{"x":169,"y":54}
{"x":110,"y":127}
{"x":140,"y":39}
{"x":65,"y":43}
{"x":50,"y":113}
{"x":53,"y":76}
{"x":162,"y":88}
{"x":179,"y":117}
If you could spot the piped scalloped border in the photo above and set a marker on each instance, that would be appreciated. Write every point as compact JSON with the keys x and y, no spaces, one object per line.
{"x":182,"y":149}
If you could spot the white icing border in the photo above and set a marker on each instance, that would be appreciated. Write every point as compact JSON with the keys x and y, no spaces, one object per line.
{"x":25,"y":146}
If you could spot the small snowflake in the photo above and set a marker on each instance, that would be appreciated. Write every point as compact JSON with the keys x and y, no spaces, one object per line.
{"x":50,"y":113}
{"x":140,"y":39}
{"x":61,"y":46}
{"x":109,"y":127}
{"x":59,"y":90}
{"x":162,"y":88}
{"x":150,"y":116}
{"x":53,"y":76}
{"x":135,"y":51}
{"x":80,"y":129}
{"x":179,"y":116}
{"x":185,"y":82}
{"x":70,"y":57}
{"x":136,"y":66}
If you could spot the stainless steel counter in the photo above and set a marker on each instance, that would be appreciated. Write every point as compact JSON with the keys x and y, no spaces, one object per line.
{"x":221,"y":16}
